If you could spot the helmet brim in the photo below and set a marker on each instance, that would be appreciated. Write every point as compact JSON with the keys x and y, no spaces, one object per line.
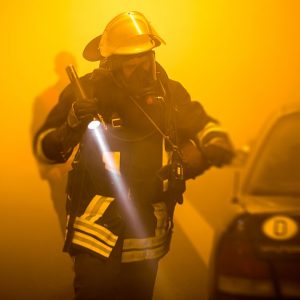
{"x":91,"y":51}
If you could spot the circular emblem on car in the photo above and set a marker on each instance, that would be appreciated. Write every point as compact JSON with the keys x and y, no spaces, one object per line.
{"x":280,"y":228}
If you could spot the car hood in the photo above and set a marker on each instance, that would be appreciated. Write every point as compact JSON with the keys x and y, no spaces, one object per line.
{"x":270,"y":204}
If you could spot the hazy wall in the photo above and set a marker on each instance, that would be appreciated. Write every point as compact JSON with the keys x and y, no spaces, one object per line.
{"x":239,"y":58}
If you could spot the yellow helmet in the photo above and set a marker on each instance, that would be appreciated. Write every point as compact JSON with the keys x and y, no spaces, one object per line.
{"x":126,"y":34}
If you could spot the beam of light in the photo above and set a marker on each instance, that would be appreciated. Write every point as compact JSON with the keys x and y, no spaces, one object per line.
{"x":121,"y":190}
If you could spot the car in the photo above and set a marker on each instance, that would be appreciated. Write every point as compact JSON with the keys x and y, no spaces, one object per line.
{"x":256,"y":253}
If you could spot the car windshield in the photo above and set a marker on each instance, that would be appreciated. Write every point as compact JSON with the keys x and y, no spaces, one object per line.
{"x":276,"y":170}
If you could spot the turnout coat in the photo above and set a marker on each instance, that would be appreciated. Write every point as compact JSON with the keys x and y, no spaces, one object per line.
{"x":117,"y":191}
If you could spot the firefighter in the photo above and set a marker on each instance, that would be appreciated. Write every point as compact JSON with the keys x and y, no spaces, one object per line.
{"x":130,"y":168}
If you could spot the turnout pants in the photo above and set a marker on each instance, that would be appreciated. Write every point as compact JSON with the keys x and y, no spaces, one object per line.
{"x":110,"y":279}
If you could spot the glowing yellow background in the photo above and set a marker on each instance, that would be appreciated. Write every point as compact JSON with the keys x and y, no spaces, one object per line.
{"x":239,"y":58}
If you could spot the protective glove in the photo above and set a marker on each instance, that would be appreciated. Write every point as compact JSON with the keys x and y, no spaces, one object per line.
{"x":193,"y":159}
{"x":82,"y":112}
{"x":219,"y":151}
{"x":58,"y":144}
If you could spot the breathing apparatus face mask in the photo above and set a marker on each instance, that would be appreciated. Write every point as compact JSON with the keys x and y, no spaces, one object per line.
{"x":136,"y":73}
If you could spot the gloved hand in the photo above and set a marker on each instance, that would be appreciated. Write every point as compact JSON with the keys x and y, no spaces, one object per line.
{"x":193,"y":160}
{"x":219,"y":151}
{"x":81,"y":112}
{"x":59,"y":143}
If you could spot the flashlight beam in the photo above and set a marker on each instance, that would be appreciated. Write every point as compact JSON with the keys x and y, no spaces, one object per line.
{"x":122,"y":192}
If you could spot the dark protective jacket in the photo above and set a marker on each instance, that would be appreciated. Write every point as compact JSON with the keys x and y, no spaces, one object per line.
{"x":114,"y":190}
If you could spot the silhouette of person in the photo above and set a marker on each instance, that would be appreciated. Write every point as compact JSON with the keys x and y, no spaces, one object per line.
{"x":56,"y":175}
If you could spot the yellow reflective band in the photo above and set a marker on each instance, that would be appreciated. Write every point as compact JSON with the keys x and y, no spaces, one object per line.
{"x":209,"y":127}
{"x":150,"y":242}
{"x":96,"y":208}
{"x":165,"y":185}
{"x":161,"y":231}
{"x":165,"y":162}
{"x":160,"y":206}
{"x":165,"y":154}
{"x":161,"y":214}
{"x":39,"y":149}
{"x":97,"y":230}
{"x":88,"y":242}
{"x":139,"y":255}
